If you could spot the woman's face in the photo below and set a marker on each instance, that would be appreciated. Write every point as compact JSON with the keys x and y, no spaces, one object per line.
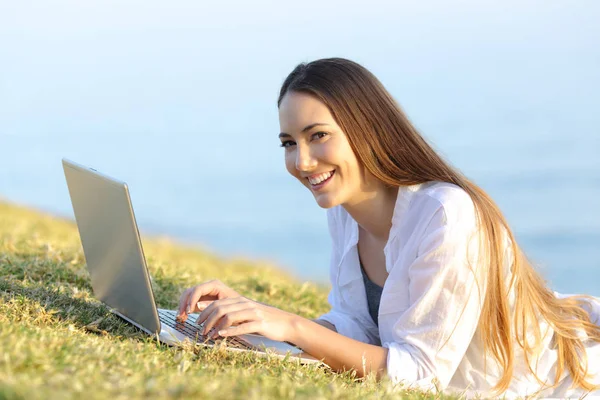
{"x":317,"y":152}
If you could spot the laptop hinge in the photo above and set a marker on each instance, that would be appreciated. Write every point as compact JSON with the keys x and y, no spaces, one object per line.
{"x":133,"y":322}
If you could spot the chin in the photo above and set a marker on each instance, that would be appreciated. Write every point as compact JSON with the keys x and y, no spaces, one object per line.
{"x":326,"y":201}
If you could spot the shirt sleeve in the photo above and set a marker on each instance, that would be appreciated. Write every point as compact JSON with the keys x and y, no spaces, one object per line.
{"x":345,"y":323}
{"x":446,"y":293}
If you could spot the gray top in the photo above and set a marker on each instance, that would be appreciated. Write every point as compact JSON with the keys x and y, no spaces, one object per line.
{"x":373,"y":291}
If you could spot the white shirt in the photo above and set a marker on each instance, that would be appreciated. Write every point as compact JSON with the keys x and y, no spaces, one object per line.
{"x":430,"y":304}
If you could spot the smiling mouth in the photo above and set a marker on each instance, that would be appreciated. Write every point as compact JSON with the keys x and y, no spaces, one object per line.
{"x":321,"y":180}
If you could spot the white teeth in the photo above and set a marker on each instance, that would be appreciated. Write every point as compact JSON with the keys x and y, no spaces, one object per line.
{"x":320,"y":178}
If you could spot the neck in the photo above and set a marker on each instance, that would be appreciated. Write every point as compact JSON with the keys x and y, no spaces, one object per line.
{"x":374,"y":210}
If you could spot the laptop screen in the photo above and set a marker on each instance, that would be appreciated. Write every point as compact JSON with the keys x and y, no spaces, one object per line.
{"x":111,"y":244}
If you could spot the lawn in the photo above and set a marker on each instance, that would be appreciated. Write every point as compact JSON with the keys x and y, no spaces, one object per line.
{"x":58,"y":341}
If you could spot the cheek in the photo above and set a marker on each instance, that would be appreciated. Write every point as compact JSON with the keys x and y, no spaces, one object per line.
{"x":339,"y":155}
{"x":290,"y":163}
{"x":330,"y":154}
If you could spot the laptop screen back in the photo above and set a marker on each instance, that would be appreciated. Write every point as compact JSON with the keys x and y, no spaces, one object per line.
{"x":111,"y":244}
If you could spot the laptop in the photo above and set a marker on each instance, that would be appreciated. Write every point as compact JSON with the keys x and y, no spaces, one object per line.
{"x":119,"y":275}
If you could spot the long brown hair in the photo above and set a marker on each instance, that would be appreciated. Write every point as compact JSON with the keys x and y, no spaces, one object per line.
{"x":392,"y":150}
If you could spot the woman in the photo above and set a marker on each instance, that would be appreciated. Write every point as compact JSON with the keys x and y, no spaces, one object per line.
{"x":428,"y":284}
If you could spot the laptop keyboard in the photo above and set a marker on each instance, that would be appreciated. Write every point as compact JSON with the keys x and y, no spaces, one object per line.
{"x":194,"y":331}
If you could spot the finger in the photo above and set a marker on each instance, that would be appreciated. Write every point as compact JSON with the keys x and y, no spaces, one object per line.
{"x":248,"y":327}
{"x":209,"y":289}
{"x":233,"y":318}
{"x":211,"y":306}
{"x":223,"y":312}
{"x":201,"y":305}
{"x":183,"y":301}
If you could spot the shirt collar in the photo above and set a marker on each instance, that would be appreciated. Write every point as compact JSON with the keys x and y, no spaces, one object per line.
{"x":349,"y":259}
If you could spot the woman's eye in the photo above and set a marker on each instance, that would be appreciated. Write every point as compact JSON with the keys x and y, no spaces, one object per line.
{"x":316,"y":135}
{"x":287,"y":143}
{"x":319,"y":135}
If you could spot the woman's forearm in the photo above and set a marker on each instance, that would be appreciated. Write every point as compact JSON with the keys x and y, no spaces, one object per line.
{"x":326,"y":324}
{"x":338,"y":351}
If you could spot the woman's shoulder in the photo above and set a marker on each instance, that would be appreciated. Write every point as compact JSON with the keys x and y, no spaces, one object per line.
{"x":425,"y":198}
{"x":444,"y":192}
{"x":433,"y":197}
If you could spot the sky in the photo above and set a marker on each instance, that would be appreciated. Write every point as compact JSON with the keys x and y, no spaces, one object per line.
{"x":100,"y":66}
{"x":179,"y":100}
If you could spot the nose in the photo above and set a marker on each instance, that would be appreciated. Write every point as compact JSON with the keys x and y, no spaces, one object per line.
{"x":304,"y":159}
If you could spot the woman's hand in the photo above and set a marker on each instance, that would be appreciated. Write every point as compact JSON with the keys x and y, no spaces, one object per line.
{"x":239,"y":315}
{"x":197,"y":298}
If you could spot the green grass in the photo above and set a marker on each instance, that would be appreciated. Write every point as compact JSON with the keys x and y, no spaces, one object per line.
{"x":57,"y":341}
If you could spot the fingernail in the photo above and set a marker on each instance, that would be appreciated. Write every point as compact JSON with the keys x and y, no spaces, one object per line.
{"x":188,"y":309}
{"x":222,"y":332}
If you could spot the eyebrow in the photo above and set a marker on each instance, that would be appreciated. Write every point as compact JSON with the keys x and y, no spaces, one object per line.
{"x":306,"y":128}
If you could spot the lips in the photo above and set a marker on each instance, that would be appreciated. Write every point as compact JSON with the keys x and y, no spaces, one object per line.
{"x":320,"y":180}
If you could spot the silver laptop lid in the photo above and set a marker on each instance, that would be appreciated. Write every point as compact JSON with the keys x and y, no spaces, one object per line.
{"x":111,"y":244}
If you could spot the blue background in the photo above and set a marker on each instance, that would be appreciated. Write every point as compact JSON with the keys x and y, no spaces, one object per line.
{"x":178,"y":99}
